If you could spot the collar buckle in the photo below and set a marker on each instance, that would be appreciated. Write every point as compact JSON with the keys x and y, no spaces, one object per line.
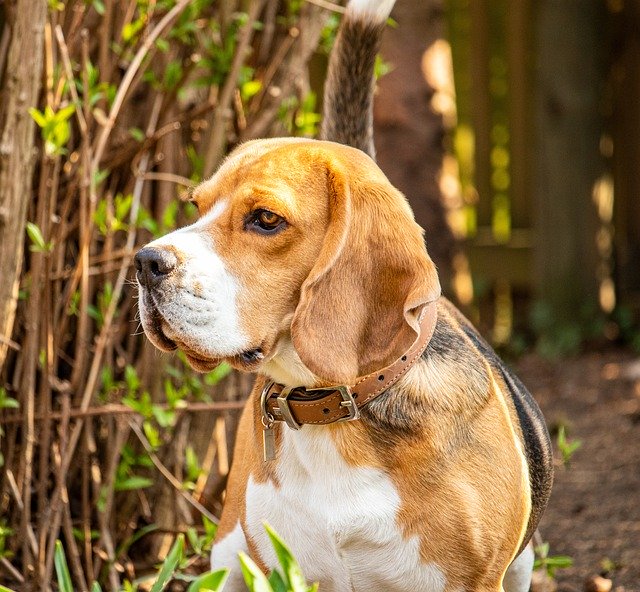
{"x":348,"y":401}
{"x":285,"y":410}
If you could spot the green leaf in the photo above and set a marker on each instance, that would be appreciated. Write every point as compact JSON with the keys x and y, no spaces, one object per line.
{"x":7,"y":402}
{"x":130,"y":30}
{"x":250,"y":89}
{"x":95,"y":587}
{"x":217,"y":374}
{"x":35,"y":235}
{"x":211,"y":528}
{"x":136,"y":536}
{"x":256,"y":581}
{"x":212,"y":581}
{"x":276,"y":581}
{"x":162,"y":45}
{"x":164,"y":417}
{"x":169,"y":565}
{"x":4,"y":589}
{"x":152,"y":434}
{"x":292,"y":572}
{"x":62,"y":569}
{"x":98,"y":5}
{"x":131,"y":483}
{"x":137,"y":134}
{"x":122,"y":206}
{"x":172,"y":74}
{"x":38,"y":117}
{"x":131,"y":378}
{"x":191,"y":464}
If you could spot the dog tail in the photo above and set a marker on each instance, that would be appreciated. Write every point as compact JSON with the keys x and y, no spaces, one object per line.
{"x":347,"y":115}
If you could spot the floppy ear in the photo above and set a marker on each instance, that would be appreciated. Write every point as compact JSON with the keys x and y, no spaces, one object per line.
{"x":359,"y":307}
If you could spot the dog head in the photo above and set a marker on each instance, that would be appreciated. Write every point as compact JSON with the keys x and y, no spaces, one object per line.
{"x":305,"y":264}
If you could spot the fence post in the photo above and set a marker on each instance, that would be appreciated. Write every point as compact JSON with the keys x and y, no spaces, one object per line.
{"x":567,"y":163}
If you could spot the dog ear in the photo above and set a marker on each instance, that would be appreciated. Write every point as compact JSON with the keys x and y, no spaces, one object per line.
{"x":360,"y":304}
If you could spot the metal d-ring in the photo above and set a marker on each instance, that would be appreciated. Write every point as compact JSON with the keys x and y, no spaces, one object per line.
{"x":267,"y":418}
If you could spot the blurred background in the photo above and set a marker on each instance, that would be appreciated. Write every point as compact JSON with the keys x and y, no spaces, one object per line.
{"x":512,"y":126}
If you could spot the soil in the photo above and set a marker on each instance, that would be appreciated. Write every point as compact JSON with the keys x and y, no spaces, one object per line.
{"x":594,"y":512}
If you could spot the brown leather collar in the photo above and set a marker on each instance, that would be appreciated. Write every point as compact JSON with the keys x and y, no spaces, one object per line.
{"x":299,"y":405}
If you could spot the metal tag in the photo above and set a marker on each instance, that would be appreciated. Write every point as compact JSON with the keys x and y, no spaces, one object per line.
{"x":268,"y":443}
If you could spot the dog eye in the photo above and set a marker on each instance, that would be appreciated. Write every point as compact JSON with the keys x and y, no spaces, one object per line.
{"x":265,"y":222}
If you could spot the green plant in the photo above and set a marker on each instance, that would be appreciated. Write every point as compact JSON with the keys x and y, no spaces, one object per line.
{"x":55,"y":127}
{"x":289,"y":579}
{"x":38,"y":244}
{"x":7,"y":402}
{"x":566,"y":446}
{"x":5,"y":532}
{"x":550,"y":563}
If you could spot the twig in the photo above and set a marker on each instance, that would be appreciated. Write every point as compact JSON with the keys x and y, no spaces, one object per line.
{"x":15,"y":491}
{"x":215,"y":148}
{"x":168,"y":475}
{"x":328,"y":5}
{"x":64,"y":52}
{"x":12,"y":344}
{"x":128,"y":79}
{"x":167,"y":177}
{"x":107,"y":486}
{"x":15,"y":574}
{"x":115,"y":409}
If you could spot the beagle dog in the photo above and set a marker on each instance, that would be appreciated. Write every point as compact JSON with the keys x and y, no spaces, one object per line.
{"x":384,"y":440}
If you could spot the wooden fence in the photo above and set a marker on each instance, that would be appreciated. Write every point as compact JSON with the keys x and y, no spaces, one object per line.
{"x":548,"y":151}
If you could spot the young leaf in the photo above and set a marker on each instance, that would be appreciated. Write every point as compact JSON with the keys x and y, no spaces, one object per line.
{"x":256,"y":581}
{"x":292,"y":573}
{"x":62,"y":570}
{"x":277,"y":583}
{"x":131,"y":483}
{"x":169,"y":565}
{"x":210,"y":582}
{"x":35,"y":236}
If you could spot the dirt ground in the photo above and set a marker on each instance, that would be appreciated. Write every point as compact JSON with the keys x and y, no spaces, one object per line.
{"x":594,"y":513}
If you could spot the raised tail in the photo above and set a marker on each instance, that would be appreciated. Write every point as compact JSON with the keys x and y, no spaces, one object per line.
{"x":347,"y":115}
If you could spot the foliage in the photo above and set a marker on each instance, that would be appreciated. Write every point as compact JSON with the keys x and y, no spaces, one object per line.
{"x":106,"y":445}
{"x":566,"y":447}
{"x":289,"y":579}
{"x":550,"y":563}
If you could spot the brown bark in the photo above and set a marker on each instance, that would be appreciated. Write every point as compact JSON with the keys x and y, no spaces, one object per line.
{"x":21,"y":85}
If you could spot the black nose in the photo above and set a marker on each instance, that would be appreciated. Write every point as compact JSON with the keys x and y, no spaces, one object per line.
{"x":153,"y":265}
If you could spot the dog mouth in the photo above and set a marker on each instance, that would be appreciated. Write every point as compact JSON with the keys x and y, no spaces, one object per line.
{"x":154,"y":328}
{"x":155,"y":324}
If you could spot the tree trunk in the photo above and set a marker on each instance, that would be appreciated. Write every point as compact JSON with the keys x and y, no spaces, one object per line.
{"x":20,"y":88}
{"x":568,"y":124}
{"x":408,"y":132}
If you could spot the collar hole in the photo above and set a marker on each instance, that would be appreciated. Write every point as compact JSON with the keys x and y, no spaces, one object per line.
{"x":381,"y":377}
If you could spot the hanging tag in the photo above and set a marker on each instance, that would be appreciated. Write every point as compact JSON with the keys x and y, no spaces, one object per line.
{"x":268,"y":443}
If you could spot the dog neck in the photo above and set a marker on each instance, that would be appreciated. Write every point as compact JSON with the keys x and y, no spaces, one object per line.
{"x":301,"y":405}
{"x":286,"y":367}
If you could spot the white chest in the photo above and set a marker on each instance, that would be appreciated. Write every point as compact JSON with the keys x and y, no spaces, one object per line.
{"x":339,"y":520}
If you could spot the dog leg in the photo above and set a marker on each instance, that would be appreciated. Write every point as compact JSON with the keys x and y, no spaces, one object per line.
{"x":225,"y":554}
{"x":518,"y":576}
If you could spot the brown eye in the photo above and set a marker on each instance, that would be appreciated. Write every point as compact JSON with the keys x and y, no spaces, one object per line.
{"x":265,"y":222}
{"x":266,"y":218}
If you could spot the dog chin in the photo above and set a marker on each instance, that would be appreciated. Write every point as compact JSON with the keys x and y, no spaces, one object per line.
{"x":200,"y":364}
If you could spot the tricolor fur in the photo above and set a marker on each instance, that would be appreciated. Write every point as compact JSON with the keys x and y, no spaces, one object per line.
{"x":306,"y":266}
